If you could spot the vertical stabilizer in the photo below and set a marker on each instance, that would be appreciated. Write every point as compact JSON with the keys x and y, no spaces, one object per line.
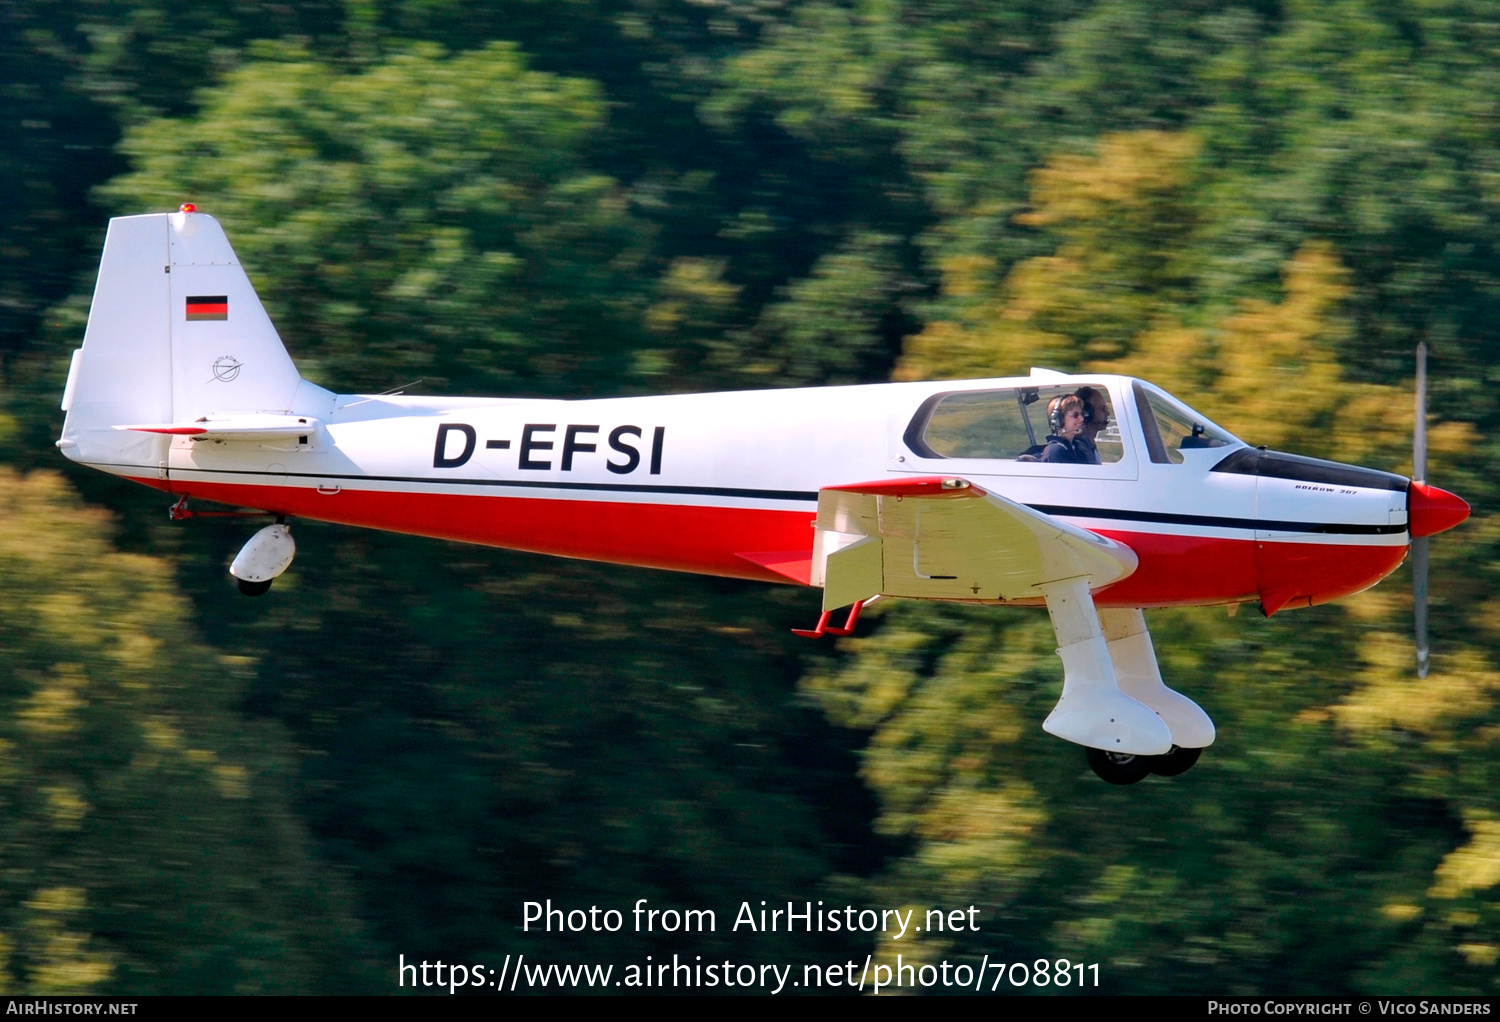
{"x":123,"y":372}
{"x":175,"y":332}
{"x":226,"y":355}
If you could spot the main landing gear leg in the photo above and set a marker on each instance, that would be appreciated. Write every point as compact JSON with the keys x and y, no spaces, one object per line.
{"x":1134,"y":658}
{"x":1093,"y":711}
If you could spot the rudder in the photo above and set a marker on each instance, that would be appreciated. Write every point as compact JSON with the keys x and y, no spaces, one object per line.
{"x":175,"y":332}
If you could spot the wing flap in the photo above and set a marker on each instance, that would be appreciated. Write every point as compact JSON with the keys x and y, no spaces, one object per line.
{"x":855,"y":572}
{"x":947,"y":539}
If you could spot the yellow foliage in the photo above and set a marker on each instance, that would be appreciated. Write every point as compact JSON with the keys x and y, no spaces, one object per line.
{"x":1112,"y":298}
{"x":1375,"y":605}
{"x":137,"y":651}
{"x":1390,"y":695}
{"x":864,"y":702}
{"x":1482,"y":955}
{"x":963,"y":816}
{"x":160,"y":733}
{"x":1279,"y":378}
{"x":971,"y":834}
{"x":57,"y":901}
{"x":119,"y":743}
{"x":69,"y":968}
{"x":52,"y":709}
{"x":946,"y":350}
{"x":1177,"y":358}
{"x":1120,"y":219}
{"x":1471,"y":867}
{"x":965,"y":276}
{"x":695,"y":295}
{"x":231,"y":780}
{"x":1132,"y":172}
{"x":65,"y":806}
{"x":66,"y":965}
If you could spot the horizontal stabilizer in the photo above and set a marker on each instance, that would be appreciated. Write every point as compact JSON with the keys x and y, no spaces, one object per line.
{"x":258,"y":426}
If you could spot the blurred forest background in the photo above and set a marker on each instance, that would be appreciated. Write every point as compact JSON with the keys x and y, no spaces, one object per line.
{"x":1261,"y":205}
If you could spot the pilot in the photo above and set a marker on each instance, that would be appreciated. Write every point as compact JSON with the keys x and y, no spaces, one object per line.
{"x":1095,"y":420}
{"x":1065,"y":419}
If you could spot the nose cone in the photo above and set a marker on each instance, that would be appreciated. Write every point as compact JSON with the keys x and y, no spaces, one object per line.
{"x":1430,"y":510}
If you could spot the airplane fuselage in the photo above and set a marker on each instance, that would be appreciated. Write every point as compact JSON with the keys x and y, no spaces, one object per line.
{"x":727,"y":484}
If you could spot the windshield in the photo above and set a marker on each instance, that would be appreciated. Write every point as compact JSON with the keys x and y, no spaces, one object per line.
{"x":1171,"y":427}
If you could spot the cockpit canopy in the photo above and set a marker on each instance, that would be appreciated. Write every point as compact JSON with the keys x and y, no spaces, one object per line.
{"x":1011,"y":423}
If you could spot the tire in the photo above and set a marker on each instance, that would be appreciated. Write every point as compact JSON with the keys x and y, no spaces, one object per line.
{"x":253,"y":588}
{"x":1118,"y":769}
{"x":1178,"y":761}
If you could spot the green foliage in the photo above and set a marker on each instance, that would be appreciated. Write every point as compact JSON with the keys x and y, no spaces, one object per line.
{"x":149,"y":845}
{"x":427,"y":218}
{"x":507,"y":728}
{"x":827,"y":327}
{"x":1334,"y":825}
{"x":53,"y":147}
{"x":1213,"y":194}
{"x":1366,"y":849}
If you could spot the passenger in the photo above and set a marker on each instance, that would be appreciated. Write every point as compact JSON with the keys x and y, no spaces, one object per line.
{"x":1065,"y":419}
{"x":1095,"y":421}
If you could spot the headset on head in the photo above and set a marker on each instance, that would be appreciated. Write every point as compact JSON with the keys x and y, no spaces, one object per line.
{"x":1055,"y":414}
{"x":1087,"y":395}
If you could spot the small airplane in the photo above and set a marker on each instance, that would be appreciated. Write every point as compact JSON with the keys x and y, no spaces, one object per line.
{"x":1093,"y":495}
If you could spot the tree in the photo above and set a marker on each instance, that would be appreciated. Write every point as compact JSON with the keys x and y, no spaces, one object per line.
{"x":1333,"y":838}
{"x":429,"y":217}
{"x":149,"y":844}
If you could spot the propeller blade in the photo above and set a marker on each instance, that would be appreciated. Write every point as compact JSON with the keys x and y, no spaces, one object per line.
{"x":1419,"y":599}
{"x":1419,"y":543}
{"x":1419,"y":430}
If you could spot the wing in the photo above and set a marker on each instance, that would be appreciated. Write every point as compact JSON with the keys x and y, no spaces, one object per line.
{"x":946,"y":539}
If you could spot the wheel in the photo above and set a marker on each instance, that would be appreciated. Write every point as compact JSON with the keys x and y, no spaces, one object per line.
{"x":1178,"y":761}
{"x":253,"y":588}
{"x":1117,"y":768}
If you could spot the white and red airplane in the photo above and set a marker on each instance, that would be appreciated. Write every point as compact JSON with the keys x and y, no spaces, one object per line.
{"x":938,"y":491}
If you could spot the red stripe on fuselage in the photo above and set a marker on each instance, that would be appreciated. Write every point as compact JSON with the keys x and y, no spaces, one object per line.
{"x":1302,"y":574}
{"x":677,"y":537}
{"x":1182,"y":571}
{"x":1174,"y":570}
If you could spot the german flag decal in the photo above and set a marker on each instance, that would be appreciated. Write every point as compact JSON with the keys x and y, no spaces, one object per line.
{"x":207,"y":307}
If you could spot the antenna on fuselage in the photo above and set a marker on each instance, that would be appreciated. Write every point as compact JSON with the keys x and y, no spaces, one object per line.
{"x":384,"y":393}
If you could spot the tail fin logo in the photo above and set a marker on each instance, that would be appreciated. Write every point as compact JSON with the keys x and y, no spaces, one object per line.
{"x":226,"y":368}
{"x":207,"y":307}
